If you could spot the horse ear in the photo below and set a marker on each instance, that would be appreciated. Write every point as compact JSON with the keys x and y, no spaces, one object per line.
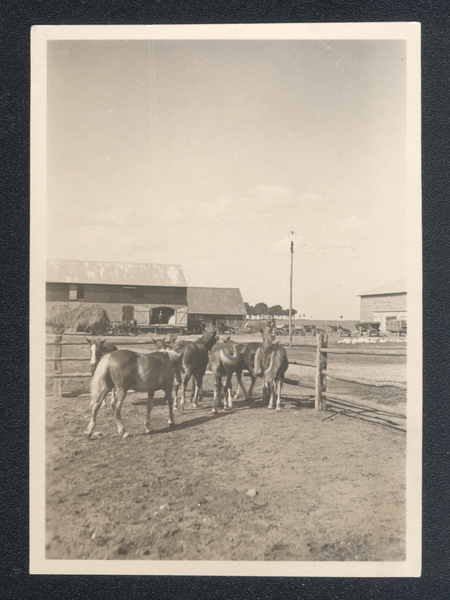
{"x":89,"y":341}
{"x":102,"y":341}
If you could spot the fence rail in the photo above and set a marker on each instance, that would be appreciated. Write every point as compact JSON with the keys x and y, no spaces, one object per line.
{"x":338,"y":403}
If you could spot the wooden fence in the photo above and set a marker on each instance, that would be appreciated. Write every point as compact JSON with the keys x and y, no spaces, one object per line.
{"x":338,"y":404}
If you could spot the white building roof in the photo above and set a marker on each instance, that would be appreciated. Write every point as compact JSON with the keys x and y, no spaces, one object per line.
{"x":396,"y":287}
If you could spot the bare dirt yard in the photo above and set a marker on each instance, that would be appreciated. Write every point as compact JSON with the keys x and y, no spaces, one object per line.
{"x":246,"y":484}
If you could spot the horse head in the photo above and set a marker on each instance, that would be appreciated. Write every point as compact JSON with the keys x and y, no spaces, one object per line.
{"x":98,"y":349}
{"x":208,"y":339}
{"x":160,"y":344}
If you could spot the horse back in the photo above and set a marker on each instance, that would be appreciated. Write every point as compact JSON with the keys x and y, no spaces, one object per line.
{"x":141,"y":372}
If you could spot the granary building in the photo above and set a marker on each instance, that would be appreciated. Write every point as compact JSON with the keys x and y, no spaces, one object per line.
{"x":384,"y":303}
{"x":153,"y":295}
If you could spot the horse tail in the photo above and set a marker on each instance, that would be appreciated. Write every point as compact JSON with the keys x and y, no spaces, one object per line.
{"x":275,"y":363}
{"x":101,"y":377}
{"x":258,"y":362}
{"x":227,"y":358}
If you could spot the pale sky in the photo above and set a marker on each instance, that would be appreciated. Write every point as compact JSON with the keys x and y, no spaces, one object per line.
{"x":207,"y":153}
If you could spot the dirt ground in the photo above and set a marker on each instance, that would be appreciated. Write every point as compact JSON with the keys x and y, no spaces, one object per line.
{"x":246,"y":484}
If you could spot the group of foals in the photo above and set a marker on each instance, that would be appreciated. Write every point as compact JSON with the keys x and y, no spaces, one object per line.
{"x":118,"y":371}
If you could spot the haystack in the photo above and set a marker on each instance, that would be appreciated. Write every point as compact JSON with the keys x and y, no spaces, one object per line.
{"x":72,"y":318}
{"x":58,"y":316}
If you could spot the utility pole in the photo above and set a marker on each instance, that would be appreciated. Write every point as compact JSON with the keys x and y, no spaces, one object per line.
{"x":292,"y":238}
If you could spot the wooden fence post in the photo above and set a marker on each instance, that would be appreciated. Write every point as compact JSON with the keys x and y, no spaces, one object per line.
{"x":57,"y":353}
{"x":321,"y":380}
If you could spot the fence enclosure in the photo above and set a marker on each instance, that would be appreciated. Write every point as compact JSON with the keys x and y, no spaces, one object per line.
{"x":338,"y":403}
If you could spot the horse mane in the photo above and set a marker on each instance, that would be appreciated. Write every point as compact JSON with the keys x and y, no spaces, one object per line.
{"x":172,"y":355}
{"x":206,"y":338}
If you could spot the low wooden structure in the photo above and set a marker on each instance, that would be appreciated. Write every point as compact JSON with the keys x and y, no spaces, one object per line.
{"x":397,"y":326}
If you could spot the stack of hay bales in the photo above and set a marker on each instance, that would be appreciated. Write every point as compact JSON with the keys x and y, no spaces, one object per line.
{"x":64,"y":317}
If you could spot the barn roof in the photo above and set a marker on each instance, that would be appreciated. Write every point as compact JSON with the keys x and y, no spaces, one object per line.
{"x":396,"y":287}
{"x":215,"y":301}
{"x":114,"y":273}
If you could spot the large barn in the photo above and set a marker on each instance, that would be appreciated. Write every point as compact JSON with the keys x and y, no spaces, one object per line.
{"x":214,"y":306}
{"x":383,"y":303}
{"x":151,"y":294}
{"x":154,"y":295}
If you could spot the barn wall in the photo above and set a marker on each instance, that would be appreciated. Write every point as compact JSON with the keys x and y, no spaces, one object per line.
{"x":141,"y":313}
{"x":371,"y":306}
{"x":57,"y":292}
{"x":98,"y":294}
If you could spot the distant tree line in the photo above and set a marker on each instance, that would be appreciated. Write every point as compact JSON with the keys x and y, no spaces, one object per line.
{"x":262,"y":309}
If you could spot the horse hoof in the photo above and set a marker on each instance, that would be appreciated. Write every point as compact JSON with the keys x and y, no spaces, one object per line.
{"x":214,"y":411}
{"x":125,"y":435}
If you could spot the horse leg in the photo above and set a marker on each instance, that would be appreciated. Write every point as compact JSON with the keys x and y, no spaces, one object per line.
{"x":198,"y":389}
{"x":113,"y":399}
{"x":121,"y":393}
{"x":176,"y":387}
{"x":183,"y":391}
{"x":169,"y":398}
{"x":279,"y":384}
{"x":227,"y":392}
{"x":240,"y":385}
{"x":150,"y":402}
{"x":96,"y":403}
{"x":250,"y":389}
{"x":217,"y":390}
{"x":272,"y":394}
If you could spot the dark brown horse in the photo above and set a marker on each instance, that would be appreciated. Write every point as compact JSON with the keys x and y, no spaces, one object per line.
{"x":224,"y":360}
{"x":125,"y":370}
{"x":194,"y":360}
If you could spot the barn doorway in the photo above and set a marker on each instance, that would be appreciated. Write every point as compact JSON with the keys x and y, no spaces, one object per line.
{"x":161,"y":315}
{"x":127,"y":313}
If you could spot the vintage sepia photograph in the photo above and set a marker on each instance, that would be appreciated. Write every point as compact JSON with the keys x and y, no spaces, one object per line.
{"x":226,"y":300}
